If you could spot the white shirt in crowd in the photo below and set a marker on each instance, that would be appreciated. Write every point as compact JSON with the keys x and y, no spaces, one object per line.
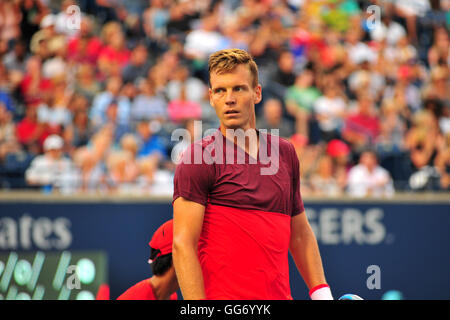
{"x":391,"y":33}
{"x":362,"y":182}
{"x":45,"y":171}
{"x":331,"y":109}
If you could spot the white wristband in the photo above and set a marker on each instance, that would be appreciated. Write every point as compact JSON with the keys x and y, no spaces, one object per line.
{"x":321,"y":292}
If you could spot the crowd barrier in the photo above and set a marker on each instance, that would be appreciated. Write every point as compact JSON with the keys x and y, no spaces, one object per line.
{"x":374,"y":248}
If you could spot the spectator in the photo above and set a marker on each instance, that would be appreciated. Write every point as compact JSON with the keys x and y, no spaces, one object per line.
{"x":149,"y":143}
{"x":8,"y":139}
{"x":40,"y":41}
{"x":34,"y":85}
{"x":201,"y":42}
{"x":442,"y":164}
{"x":272,"y":118}
{"x":32,"y":12}
{"x":55,"y":66}
{"x":16,"y":58}
{"x":103,"y":99}
{"x":284,"y":74}
{"x":63,"y":17}
{"x":423,"y":140}
{"x":30,"y":133}
{"x":160,"y":73}
{"x":9,"y":21}
{"x":194,"y":87}
{"x":444,"y":121}
{"x":356,"y":49}
{"x":155,"y":19}
{"x":85,"y":47}
{"x":5,"y":97}
{"x":181,"y":109}
{"x":410,"y":10}
{"x":138,"y":65}
{"x":147,"y":169}
{"x":101,"y":143}
{"x":234,"y":36}
{"x":50,"y":169}
{"x":438,"y":87}
{"x":362,"y":128}
{"x":388,"y":29}
{"x":79,"y":132}
{"x":122,"y":172}
{"x":440,"y":50}
{"x":392,"y":131}
{"x":54,"y":112}
{"x":91,"y":173}
{"x":114,"y":56}
{"x":340,"y":153}
{"x":323,"y":181}
{"x":369,"y":179}
{"x":86,"y":84}
{"x":300,"y":99}
{"x":331,"y":111}
{"x":112,"y":121}
{"x":366,"y":78}
{"x":147,"y":105}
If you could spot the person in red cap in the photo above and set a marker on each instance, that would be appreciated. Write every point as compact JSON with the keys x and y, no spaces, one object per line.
{"x":163,"y":284}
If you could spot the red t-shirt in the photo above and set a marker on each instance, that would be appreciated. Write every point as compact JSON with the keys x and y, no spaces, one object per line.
{"x":87,"y":54}
{"x":363,"y":124}
{"x":180,"y":110}
{"x":244,"y":243}
{"x":112,"y":55}
{"x":142,"y":290}
{"x":34,"y":98}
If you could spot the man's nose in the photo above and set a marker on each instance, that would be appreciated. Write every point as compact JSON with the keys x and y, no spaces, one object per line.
{"x":230,"y":98}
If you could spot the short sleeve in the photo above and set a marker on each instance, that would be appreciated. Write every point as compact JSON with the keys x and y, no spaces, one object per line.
{"x":193,"y":181}
{"x":297,"y":202}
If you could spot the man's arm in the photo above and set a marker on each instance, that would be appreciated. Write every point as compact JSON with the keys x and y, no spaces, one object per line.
{"x":305,"y":251}
{"x":187,"y":226}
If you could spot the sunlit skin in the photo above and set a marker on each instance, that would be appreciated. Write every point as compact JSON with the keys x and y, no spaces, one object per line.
{"x":233,"y":92}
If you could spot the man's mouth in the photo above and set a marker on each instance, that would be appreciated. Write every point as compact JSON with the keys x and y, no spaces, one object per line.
{"x":231,"y":112}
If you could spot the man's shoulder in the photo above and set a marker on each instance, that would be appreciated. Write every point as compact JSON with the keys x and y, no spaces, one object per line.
{"x":285,"y":145}
{"x":381,"y":171}
{"x":359,"y":171}
{"x":205,"y":141}
{"x":40,"y":159}
{"x":196,"y":149}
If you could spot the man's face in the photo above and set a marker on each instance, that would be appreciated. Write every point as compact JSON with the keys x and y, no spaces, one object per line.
{"x":55,"y":154}
{"x":369,"y":160}
{"x":233,"y":97}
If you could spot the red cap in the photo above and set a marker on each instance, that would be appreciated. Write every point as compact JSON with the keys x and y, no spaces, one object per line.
{"x":162,"y":239}
{"x":336,"y":148}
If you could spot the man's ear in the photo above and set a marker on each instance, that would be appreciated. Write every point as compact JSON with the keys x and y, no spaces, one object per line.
{"x":258,"y":94}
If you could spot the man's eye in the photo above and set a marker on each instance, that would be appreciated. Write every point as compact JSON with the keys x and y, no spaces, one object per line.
{"x":238,"y":89}
{"x":220,"y":90}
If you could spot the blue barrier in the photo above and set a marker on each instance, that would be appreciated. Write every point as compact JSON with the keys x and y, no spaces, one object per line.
{"x":367,"y":248}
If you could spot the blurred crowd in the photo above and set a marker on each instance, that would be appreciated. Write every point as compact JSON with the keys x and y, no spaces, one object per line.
{"x":91,"y":90}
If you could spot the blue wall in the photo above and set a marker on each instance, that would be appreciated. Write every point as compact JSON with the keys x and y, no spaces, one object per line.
{"x":409,"y":243}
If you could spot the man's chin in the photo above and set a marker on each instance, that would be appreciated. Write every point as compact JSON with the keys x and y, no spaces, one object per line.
{"x":233,"y":124}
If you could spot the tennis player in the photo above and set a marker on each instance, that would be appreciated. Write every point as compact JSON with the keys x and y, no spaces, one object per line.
{"x":234,"y":225}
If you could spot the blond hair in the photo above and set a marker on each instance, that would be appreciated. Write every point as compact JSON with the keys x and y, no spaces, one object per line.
{"x":227,"y":60}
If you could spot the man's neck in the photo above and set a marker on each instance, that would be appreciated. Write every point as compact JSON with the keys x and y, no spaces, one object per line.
{"x":249,"y":146}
